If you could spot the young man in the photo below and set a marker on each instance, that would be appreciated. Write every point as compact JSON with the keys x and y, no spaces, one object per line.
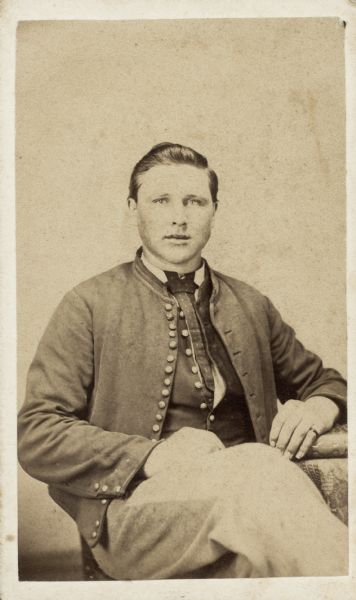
{"x":151,"y":407}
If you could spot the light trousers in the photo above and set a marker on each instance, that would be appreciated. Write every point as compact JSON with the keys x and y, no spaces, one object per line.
{"x":243,"y":511}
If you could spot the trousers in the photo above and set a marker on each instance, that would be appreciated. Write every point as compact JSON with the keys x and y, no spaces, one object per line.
{"x":243,"y":511}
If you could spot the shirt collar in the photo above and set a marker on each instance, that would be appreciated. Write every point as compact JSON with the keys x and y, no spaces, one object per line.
{"x":198,"y":276}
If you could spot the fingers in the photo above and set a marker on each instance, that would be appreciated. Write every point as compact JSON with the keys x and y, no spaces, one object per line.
{"x":308,"y":441}
{"x":292,"y":429}
{"x":301,"y":440}
{"x":284,"y":424}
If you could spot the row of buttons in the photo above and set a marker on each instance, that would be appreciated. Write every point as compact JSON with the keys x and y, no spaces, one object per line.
{"x":168,"y":369}
{"x":104,"y":487}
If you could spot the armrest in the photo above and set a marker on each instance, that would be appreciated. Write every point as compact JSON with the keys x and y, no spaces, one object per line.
{"x":330,"y":445}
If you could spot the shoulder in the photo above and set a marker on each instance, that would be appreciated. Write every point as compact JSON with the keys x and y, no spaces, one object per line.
{"x":103,"y":285}
{"x":240,"y":289}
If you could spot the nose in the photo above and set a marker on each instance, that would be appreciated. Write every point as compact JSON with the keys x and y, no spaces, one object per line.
{"x":179,"y":215}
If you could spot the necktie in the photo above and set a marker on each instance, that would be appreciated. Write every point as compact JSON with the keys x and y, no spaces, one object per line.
{"x":183,"y":288}
{"x":181,"y":283}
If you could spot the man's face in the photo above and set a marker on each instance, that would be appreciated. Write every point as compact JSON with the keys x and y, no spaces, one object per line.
{"x":174,"y":214}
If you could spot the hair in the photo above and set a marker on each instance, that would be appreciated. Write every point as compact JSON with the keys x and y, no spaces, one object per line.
{"x":167,"y":153}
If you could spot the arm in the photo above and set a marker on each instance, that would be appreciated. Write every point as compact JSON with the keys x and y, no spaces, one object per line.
{"x":57,"y":444}
{"x":313,"y":396}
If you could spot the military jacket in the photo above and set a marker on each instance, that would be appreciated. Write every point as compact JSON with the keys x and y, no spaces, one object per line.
{"x":89,"y":422}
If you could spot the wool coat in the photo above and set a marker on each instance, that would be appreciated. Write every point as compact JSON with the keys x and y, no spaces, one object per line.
{"x":88,"y":422}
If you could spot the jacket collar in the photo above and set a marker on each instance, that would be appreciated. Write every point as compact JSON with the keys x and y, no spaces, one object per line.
{"x":152,"y":280}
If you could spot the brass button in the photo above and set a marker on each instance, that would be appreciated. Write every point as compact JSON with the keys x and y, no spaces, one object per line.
{"x":97,"y":523}
{"x":172,"y":334}
{"x":155,"y":428}
{"x":181,"y":314}
{"x":104,"y":487}
{"x":170,"y":358}
{"x":198,"y":385}
{"x":96,"y":486}
{"x":173,"y":344}
{"x":211,"y":418}
{"x":185,"y":332}
{"x":172,"y":326}
{"x":165,"y":392}
{"x":168,"y":306}
{"x":161,"y":404}
{"x":94,"y":534}
{"x":188,"y":352}
{"x":104,"y":501}
{"x":195,"y":369}
{"x":169,"y":369}
{"x":169,"y":316}
{"x":203,"y":405}
{"x":167,"y":381}
{"x":117,"y":488}
{"x":159,"y":417}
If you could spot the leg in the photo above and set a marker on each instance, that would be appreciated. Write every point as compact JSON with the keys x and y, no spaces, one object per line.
{"x":245,"y":501}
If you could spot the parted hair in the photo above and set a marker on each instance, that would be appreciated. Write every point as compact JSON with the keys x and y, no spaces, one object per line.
{"x":167,"y":153}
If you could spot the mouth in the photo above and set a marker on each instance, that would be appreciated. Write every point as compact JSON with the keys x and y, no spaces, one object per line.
{"x":177,"y":236}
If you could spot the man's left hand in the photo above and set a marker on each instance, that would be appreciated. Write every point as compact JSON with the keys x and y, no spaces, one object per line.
{"x":297,"y":425}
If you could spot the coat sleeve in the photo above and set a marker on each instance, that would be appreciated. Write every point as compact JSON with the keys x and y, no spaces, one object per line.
{"x":57,"y":444}
{"x":298,"y":372}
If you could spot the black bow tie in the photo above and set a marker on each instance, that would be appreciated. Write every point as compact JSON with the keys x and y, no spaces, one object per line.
{"x":181,"y":283}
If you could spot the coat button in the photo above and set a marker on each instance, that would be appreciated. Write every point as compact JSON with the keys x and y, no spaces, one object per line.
{"x":168,"y":369}
{"x":170,"y":358}
{"x":167,"y":381}
{"x":97,"y":523}
{"x":161,"y":404}
{"x":172,"y":334}
{"x":155,"y":428}
{"x":96,"y":486}
{"x":188,"y":352}
{"x":104,"y":501}
{"x":104,"y":487}
{"x":203,"y":405}
{"x":117,"y":489}
{"x":165,"y":392}
{"x":185,"y":332}
{"x":198,"y":385}
{"x":159,"y":417}
{"x":181,"y":314}
{"x":172,"y":326}
{"x":211,"y":418}
{"x":195,"y":369}
{"x":173,"y":344}
{"x":169,"y":316}
{"x":94,"y":534}
{"x":168,"y":306}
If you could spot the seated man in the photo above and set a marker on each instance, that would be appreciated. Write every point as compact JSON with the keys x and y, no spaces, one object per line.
{"x":151,"y":406}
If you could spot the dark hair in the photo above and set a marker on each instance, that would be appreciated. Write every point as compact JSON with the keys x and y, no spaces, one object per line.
{"x":167,"y":153}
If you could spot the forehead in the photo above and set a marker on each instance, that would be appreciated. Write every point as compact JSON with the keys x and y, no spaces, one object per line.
{"x":174,"y":179}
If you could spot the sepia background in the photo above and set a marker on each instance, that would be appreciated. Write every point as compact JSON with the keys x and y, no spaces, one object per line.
{"x":262,"y":99}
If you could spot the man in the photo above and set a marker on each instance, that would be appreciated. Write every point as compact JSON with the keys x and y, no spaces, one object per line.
{"x":151,"y":407}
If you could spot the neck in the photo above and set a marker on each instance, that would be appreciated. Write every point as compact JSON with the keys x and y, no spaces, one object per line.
{"x":184,"y":267}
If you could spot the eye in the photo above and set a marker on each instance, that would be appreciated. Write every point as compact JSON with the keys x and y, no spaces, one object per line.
{"x":197,"y":201}
{"x":160,"y":200}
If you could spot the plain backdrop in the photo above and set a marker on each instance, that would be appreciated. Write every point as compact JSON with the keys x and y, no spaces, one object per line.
{"x":262,"y":99}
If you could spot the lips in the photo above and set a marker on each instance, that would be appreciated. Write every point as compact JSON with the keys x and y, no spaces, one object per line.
{"x":177,"y":237}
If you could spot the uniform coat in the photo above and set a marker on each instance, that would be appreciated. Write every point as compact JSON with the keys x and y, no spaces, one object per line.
{"x":94,"y":385}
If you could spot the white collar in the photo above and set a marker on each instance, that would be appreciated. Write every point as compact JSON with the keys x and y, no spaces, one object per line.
{"x":198,"y":276}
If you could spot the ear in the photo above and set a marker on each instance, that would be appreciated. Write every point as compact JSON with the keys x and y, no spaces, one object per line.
{"x":132,"y":204}
{"x":215,"y":206}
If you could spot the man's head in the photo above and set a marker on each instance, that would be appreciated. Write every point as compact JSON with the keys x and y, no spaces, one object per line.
{"x":173,"y":194}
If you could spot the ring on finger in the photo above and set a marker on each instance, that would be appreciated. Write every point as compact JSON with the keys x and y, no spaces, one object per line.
{"x":314,"y":430}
